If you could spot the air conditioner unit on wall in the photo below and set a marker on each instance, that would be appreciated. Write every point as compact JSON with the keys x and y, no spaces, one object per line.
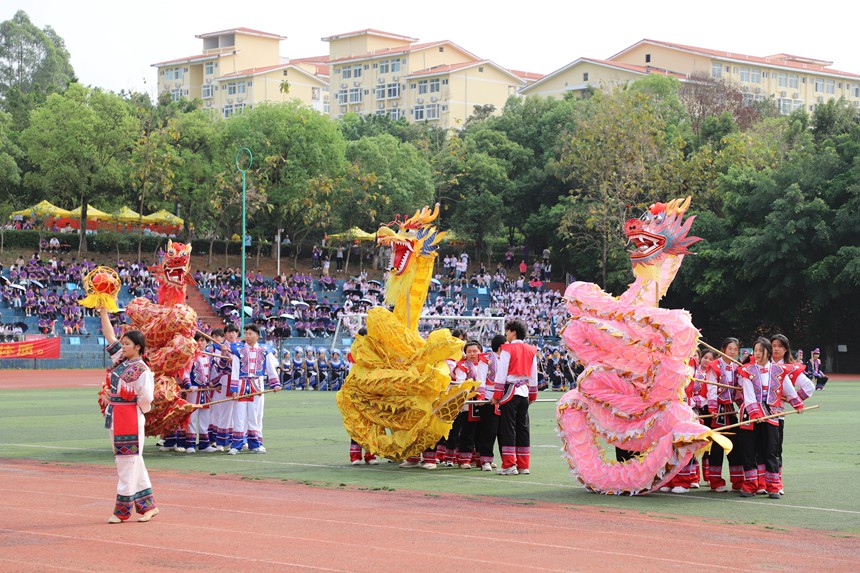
{"x":395,"y":78}
{"x":229,"y":100}
{"x":419,"y":100}
{"x":432,"y":98}
{"x":343,"y":86}
{"x":381,"y":80}
{"x":394,"y":104}
{"x":380,"y":105}
{"x":356,"y":84}
{"x":240,"y":98}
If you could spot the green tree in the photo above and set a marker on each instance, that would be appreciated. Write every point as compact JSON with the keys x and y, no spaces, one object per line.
{"x":76,"y":140}
{"x":32,"y":60}
{"x":10,"y":173}
{"x":404,"y":178}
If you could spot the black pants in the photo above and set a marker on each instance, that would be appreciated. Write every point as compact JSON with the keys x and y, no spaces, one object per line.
{"x":514,"y":437}
{"x":488,"y":431}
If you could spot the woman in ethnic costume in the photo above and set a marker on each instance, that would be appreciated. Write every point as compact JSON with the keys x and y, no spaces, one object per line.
{"x":131,"y":390}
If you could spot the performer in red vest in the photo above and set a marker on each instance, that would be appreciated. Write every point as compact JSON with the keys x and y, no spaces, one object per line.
{"x":515,"y":387}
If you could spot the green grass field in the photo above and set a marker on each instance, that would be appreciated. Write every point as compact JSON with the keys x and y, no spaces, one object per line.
{"x":307,"y":444}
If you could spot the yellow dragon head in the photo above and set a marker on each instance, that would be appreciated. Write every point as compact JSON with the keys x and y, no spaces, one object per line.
{"x":413,"y":251}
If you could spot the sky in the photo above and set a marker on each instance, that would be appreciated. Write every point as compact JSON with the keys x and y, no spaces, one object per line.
{"x":113,"y":43}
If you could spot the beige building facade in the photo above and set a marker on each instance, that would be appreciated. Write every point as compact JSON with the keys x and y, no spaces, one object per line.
{"x":794,"y":82}
{"x":379,"y":73}
{"x":239,"y":68}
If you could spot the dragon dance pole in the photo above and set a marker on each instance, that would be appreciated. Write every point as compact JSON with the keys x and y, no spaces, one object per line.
{"x":244,"y":181}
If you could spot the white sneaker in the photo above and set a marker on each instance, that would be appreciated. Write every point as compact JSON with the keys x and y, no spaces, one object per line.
{"x":447,"y":464}
{"x":409,"y":464}
{"x":511,"y":471}
{"x":165,"y":448}
{"x":179,"y":449}
{"x":373,"y":462}
{"x":428,"y":466}
{"x":525,"y":472}
{"x":781,"y":492}
{"x":679,"y":489}
{"x":190,"y":451}
{"x":233,"y":451}
{"x":260,"y":450}
{"x":209,"y":449}
{"x":694,"y":485}
{"x":465,"y":466}
{"x":722,"y":488}
{"x":665,"y":489}
{"x":355,"y":462}
{"x":486,"y":467}
{"x":493,"y":465}
{"x":218,"y":449}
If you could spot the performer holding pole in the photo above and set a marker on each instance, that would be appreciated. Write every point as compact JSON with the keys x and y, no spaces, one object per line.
{"x":131,"y":393}
{"x":722,"y":390}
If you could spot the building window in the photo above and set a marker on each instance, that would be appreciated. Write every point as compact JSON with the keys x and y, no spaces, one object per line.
{"x":315,"y":94}
{"x":395,"y":66}
{"x":355,"y":95}
{"x":755,"y":76}
{"x":418,"y":113}
{"x":379,"y":92}
{"x":784,"y":106}
{"x":782,"y":79}
{"x":393,"y":90}
{"x":855,"y":90}
{"x":745,"y":74}
{"x":173,"y":74}
{"x":585,"y":76}
{"x":341,"y":97}
{"x":206,"y":91}
{"x":445,"y":82}
{"x":830,"y":86}
{"x":422,"y":87}
{"x":395,"y":114}
{"x":798,"y":104}
{"x":384,"y":67}
{"x":356,"y":71}
{"x":716,"y":70}
{"x":209,"y":68}
{"x":227,"y":110}
{"x":819,"y":85}
{"x":346,"y":72}
{"x":432,"y":111}
{"x":175,"y":94}
{"x":647,"y":58}
{"x":236,"y":88}
{"x":434,"y":86}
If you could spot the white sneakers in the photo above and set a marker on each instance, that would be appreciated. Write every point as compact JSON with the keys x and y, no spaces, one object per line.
{"x":209,"y":449}
{"x":217,"y":449}
{"x":373,"y":462}
{"x":525,"y":472}
{"x":486,"y":467}
{"x":694,"y":485}
{"x":665,"y":489}
{"x":721,"y":489}
{"x":356,"y":462}
{"x":233,"y":451}
{"x":511,"y":471}
{"x":679,"y":489}
{"x":465,"y":466}
{"x":260,"y":450}
{"x":409,"y":464}
{"x":190,"y":450}
{"x":428,"y":466}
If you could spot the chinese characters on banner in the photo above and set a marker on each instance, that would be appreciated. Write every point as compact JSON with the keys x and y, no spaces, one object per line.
{"x":45,"y":348}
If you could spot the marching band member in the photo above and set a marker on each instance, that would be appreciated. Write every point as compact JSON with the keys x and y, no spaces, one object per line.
{"x":323,"y":369}
{"x":287,"y":370}
{"x":198,"y":391}
{"x":254,"y":368}
{"x":222,"y":414}
{"x":336,"y":367}
{"x":299,"y":378}
{"x":311,"y":372}
{"x":764,"y":385}
{"x":721,"y":401}
{"x":802,"y":385}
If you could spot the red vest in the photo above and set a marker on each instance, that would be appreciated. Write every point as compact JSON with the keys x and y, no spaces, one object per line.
{"x":522,"y":358}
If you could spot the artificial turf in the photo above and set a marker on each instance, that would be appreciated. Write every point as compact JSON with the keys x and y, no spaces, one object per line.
{"x":307,"y":443}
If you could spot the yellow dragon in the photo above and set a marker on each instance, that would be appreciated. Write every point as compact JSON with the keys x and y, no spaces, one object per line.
{"x":396,"y":401}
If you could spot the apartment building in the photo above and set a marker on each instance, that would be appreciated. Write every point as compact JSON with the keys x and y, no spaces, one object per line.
{"x":794,"y":82}
{"x":381,"y":73}
{"x":239,"y":68}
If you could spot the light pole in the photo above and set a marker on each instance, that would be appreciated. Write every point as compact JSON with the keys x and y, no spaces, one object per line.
{"x":244,"y":194}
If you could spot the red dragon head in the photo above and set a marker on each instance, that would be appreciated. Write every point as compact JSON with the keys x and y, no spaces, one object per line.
{"x":174,"y":274}
{"x":660,"y":231}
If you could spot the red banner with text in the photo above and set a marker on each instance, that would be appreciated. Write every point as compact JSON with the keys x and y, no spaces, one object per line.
{"x":45,"y":348}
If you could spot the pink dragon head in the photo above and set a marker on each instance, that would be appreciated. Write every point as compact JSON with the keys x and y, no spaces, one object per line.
{"x":661,"y":231}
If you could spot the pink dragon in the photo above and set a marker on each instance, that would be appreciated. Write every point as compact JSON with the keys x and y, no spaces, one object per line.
{"x":636,"y":357}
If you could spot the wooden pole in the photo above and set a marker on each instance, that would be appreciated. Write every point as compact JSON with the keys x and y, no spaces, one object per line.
{"x":487,"y":401}
{"x":724,"y":355}
{"x":214,"y":355}
{"x":232,"y":399}
{"x":757,"y":420}
{"x":717,"y":384}
{"x":207,"y":337}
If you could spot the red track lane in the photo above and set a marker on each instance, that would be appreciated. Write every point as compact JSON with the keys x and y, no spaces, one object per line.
{"x":54,"y":516}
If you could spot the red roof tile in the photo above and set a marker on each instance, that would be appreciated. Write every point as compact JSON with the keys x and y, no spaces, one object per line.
{"x":780,"y":60}
{"x":242,"y":31}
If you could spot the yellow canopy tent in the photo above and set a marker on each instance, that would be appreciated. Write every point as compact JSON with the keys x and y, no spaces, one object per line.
{"x":43,"y":209}
{"x":164,"y":217}
{"x":93,"y":214}
{"x":352,"y":234}
{"x":126,"y":215}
